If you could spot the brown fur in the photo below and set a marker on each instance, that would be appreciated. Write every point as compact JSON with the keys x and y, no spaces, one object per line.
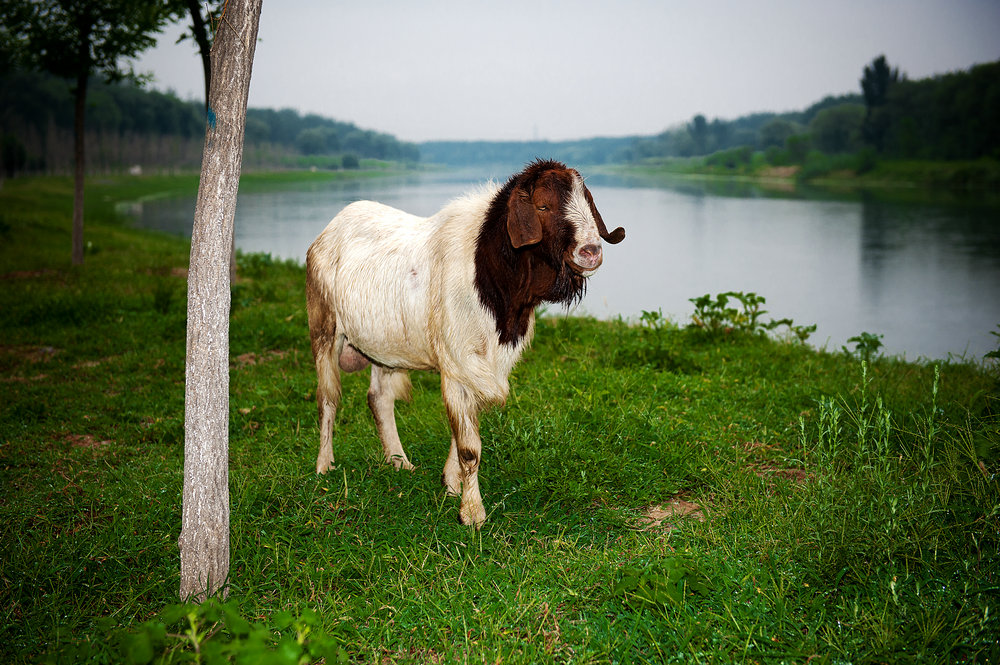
{"x":523,"y":254}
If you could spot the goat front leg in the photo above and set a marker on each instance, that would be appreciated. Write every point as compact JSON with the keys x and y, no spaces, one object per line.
{"x":461,"y":471}
{"x":388,"y":385}
{"x":451,"y":478}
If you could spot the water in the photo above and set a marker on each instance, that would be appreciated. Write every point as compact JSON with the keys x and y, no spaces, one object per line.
{"x":924,"y":275}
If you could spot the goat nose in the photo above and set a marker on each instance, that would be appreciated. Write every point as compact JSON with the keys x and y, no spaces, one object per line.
{"x":590,"y":256}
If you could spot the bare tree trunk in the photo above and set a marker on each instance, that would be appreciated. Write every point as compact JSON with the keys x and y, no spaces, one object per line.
{"x":200,"y":32}
{"x":204,"y":539}
{"x":79,"y":156}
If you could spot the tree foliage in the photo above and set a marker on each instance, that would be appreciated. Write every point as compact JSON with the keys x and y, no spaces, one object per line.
{"x":70,"y":37}
{"x":954,"y":116}
{"x":877,"y":81}
{"x":837,"y":129}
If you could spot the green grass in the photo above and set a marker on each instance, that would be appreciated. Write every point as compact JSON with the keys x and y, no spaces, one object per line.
{"x":852,"y":512}
{"x":829,"y":172}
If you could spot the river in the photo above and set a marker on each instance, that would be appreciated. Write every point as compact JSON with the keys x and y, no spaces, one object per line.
{"x":923,"y":274}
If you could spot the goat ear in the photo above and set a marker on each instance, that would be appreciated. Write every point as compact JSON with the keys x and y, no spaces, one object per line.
{"x":523,"y":225}
{"x":615,"y":236}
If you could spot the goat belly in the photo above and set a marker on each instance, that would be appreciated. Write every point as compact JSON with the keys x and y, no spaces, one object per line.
{"x":381,"y":285}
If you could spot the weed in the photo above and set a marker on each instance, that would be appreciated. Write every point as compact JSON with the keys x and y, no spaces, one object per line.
{"x":663,"y":585}
{"x":995,"y":354}
{"x":715,"y":316}
{"x":216,"y":633}
{"x":866,"y":345}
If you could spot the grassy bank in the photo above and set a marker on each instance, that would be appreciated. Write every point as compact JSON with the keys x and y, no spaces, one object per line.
{"x":656,"y":493}
{"x":833,"y":171}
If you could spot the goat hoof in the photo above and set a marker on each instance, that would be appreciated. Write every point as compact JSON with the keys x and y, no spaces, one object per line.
{"x":472,"y":516}
{"x":400,"y":462}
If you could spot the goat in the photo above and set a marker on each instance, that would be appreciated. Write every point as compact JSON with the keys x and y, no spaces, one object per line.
{"x":454,"y":293}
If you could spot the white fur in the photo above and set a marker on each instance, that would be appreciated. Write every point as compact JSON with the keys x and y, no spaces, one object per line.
{"x":585,"y":226}
{"x":400,"y":290}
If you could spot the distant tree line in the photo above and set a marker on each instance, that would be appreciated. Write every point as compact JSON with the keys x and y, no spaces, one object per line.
{"x":128,"y":126}
{"x":316,"y":135}
{"x":833,"y":123}
{"x":953,"y":116}
{"x":517,"y":153}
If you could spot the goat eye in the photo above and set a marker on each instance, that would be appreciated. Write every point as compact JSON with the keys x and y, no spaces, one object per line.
{"x":542,"y":208}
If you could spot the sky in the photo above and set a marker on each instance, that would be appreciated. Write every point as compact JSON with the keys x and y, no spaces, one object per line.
{"x":561,"y":70}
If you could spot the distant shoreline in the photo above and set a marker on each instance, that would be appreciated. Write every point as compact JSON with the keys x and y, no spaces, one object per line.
{"x":981,"y":175}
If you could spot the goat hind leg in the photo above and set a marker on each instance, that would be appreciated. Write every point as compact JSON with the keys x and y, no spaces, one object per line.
{"x":388,"y":385}
{"x":327,"y":400}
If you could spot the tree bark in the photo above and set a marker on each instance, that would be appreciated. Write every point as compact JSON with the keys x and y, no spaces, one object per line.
{"x":84,"y":25}
{"x":79,"y":164}
{"x":204,"y":538}
{"x":200,"y":33}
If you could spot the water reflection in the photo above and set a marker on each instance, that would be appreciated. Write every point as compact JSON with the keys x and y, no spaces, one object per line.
{"x":922,"y":273}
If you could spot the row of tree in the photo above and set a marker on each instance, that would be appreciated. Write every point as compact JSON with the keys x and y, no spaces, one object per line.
{"x":954,"y":116}
{"x":127,"y":125}
{"x":506,"y":154}
{"x":833,"y":121}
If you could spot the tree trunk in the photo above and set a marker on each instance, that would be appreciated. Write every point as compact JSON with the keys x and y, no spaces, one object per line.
{"x":79,"y":156}
{"x":204,"y":538}
{"x":200,"y":32}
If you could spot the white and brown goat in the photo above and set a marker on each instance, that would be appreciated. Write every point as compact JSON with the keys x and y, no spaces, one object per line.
{"x":454,"y":293}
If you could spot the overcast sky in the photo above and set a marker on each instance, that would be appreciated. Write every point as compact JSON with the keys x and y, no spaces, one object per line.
{"x":525,"y":69}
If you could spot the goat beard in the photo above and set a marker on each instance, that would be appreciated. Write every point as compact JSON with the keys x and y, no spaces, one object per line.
{"x":568,"y":287}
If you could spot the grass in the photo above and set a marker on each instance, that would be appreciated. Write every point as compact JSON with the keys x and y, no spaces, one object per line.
{"x":831,"y":172}
{"x":851,"y":510}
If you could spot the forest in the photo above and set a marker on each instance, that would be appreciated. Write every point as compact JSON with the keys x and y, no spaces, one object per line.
{"x":949,"y":117}
{"x":954,"y":116}
{"x":129,"y":127}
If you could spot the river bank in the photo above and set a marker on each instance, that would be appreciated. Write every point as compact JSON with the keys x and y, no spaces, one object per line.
{"x":654,"y":490}
{"x":979,"y":177}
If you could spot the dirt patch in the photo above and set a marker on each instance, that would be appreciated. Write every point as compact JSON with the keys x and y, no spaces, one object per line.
{"x":88,"y":364}
{"x":26,"y":274}
{"x":668,"y":516}
{"x":14,"y":357}
{"x":773,"y":475}
{"x":31,"y":354}
{"x":23,"y":379}
{"x":86,"y":441}
{"x":247,"y":359}
{"x":768,"y":470}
